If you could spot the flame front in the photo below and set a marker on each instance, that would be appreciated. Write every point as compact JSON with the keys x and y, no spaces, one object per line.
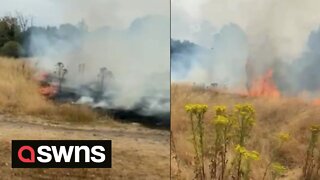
{"x":264,"y":86}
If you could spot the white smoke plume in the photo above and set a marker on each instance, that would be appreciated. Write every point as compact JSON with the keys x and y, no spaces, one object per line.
{"x":269,"y":33}
{"x":131,"y":42}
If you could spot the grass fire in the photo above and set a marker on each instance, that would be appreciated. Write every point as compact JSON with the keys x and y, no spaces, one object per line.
{"x":82,"y":70}
{"x":245,"y":90}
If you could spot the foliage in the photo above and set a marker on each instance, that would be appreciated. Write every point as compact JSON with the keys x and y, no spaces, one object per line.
{"x":196,"y":113}
{"x":222,"y":127}
{"x":312,"y":162}
{"x":17,"y":35}
{"x":10,"y":36}
{"x":12,"y":49}
{"x":277,"y":169}
{"x":231,"y":132}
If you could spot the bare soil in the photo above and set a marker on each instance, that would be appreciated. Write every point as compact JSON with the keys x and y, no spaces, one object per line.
{"x":138,"y":152}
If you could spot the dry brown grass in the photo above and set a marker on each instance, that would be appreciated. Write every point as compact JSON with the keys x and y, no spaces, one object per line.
{"x":76,"y":113}
{"x":18,"y":90}
{"x":19,"y":94}
{"x":273,"y":116}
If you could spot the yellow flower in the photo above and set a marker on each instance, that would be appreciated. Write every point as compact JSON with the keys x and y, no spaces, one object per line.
{"x":201,"y":108}
{"x":240,"y":149}
{"x":188,"y":107}
{"x":247,"y":112}
{"x":284,"y":136}
{"x":315,"y":128}
{"x":196,"y":108}
{"x":221,"y":120}
{"x":278,"y":168}
{"x":220,"y":110}
{"x":253,"y":155}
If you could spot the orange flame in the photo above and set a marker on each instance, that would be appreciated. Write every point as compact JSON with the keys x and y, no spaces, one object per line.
{"x":264,"y":86}
{"x":316,"y":102}
{"x":46,"y":89}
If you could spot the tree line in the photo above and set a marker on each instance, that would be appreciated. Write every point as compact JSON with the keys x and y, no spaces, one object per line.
{"x":17,"y":33}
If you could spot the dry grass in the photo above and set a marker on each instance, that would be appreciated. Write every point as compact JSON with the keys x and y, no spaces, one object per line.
{"x":273,"y":116}
{"x":19,"y":94}
{"x":18,"y":90}
{"x":76,"y":113}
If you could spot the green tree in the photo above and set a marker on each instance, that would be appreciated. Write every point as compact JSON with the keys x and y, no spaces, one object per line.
{"x":4,"y":33}
{"x":12,"y":48}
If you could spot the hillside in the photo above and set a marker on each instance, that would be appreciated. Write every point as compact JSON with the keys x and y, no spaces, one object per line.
{"x":138,"y":152}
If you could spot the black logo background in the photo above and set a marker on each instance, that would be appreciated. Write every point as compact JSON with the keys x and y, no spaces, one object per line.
{"x":16,"y":144}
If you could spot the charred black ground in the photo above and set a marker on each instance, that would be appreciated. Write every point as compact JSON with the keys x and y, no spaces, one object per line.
{"x":159,"y":120}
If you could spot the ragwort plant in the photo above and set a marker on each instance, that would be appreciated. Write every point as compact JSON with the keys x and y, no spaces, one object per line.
{"x":243,"y":120}
{"x":228,"y":128}
{"x":196,"y":113}
{"x":312,"y":162}
{"x":277,"y":169}
{"x":235,"y":129}
{"x":246,"y":157}
{"x":222,"y":127}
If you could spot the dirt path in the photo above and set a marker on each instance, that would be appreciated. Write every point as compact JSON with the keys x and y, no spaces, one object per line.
{"x":138,"y":152}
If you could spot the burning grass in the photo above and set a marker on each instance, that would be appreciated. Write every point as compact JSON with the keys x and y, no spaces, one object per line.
{"x":19,"y":94}
{"x":274,"y":115}
{"x":264,"y":86}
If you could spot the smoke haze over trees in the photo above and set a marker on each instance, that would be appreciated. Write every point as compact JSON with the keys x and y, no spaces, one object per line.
{"x":16,"y":35}
{"x":225,"y":63}
{"x":137,"y":55}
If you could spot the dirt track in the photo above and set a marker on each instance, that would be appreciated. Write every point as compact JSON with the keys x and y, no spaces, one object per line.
{"x":138,"y":152}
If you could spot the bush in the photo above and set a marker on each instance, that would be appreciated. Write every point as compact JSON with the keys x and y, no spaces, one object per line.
{"x":12,"y":49}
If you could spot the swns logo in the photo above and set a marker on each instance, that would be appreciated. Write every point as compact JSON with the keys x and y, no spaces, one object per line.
{"x":61,"y":154}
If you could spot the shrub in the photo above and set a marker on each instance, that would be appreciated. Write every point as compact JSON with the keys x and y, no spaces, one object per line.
{"x":12,"y":49}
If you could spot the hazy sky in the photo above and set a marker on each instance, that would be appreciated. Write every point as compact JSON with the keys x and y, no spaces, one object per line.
{"x":286,"y":23}
{"x":96,"y":13}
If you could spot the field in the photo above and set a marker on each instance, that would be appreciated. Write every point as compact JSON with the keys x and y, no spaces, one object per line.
{"x":273,"y":116}
{"x":138,"y":152}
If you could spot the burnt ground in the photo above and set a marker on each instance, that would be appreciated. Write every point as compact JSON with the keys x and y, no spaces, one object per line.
{"x":155,"y":121}
{"x":138,"y":152}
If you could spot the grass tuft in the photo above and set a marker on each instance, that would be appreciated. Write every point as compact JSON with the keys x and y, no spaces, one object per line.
{"x":19,"y":94}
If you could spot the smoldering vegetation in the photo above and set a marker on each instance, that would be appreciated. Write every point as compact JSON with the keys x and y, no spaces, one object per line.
{"x":234,"y":63}
{"x":124,"y":72}
{"x":116,"y":70}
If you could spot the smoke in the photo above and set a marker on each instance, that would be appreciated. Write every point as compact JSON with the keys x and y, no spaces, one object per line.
{"x":302,"y":74}
{"x":96,"y":13}
{"x":137,"y":56}
{"x":223,"y":63}
{"x":259,"y":35}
